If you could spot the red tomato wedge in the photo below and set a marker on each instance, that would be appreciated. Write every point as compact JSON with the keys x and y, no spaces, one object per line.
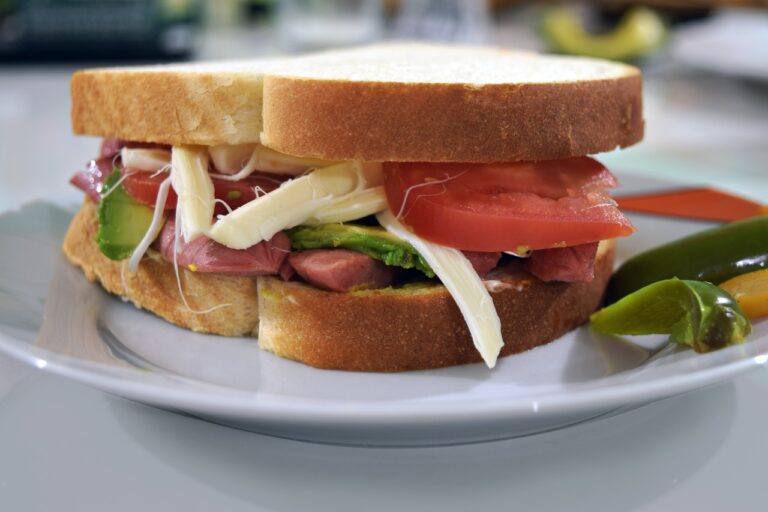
{"x":143,"y":186}
{"x":503,"y":206}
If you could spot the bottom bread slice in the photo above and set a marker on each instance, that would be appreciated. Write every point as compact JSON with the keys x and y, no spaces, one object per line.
{"x":154,"y":287}
{"x":418,"y":326}
{"x":412,"y":327}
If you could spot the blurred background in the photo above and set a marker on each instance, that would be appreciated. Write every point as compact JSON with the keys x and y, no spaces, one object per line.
{"x":705,"y":63}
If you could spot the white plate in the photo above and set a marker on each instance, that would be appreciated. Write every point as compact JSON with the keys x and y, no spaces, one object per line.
{"x":51,"y":317}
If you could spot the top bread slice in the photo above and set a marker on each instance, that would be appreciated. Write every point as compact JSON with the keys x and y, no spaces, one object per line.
{"x":396,"y":102}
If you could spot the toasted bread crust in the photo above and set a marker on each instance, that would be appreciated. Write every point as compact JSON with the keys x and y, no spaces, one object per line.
{"x":153,"y":286}
{"x":392,"y":330}
{"x":351,"y":120}
{"x":168,"y":107}
{"x":386,"y":330}
{"x":347,"y":117}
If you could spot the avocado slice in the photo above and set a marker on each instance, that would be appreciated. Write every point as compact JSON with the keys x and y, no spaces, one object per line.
{"x":639,"y":32}
{"x":122,"y":220}
{"x":373,"y":241}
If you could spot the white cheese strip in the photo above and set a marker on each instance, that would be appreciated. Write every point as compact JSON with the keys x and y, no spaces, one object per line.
{"x":272,"y":161}
{"x":291,"y":204}
{"x":231,"y":159}
{"x":464,"y":285}
{"x":193,"y":186}
{"x":353,"y":206}
{"x":158,"y":220}
{"x":238,"y":162}
{"x":145,"y":159}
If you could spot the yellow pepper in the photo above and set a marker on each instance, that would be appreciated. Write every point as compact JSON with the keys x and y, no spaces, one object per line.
{"x":750,"y":291}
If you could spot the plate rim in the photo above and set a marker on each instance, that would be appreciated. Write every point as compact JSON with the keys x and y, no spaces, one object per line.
{"x":193,"y":395}
{"x":249,"y":404}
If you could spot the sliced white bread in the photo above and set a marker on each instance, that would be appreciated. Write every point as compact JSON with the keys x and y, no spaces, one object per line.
{"x":401,"y":102}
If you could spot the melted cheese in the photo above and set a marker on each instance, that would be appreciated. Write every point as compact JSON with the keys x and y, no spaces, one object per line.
{"x":464,"y":285}
{"x":291,"y":204}
{"x":194,"y":187}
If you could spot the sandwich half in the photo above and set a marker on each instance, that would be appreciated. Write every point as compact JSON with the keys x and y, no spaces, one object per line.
{"x":387,"y":208}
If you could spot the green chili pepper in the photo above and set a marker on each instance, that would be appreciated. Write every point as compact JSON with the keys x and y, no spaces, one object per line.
{"x":714,"y":255}
{"x":693,"y":313}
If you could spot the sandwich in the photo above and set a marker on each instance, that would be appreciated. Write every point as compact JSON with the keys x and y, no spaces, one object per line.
{"x":386,"y":208}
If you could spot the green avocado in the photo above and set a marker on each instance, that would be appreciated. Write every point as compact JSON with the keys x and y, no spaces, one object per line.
{"x":640,"y":31}
{"x":373,"y":241}
{"x":122,"y":220}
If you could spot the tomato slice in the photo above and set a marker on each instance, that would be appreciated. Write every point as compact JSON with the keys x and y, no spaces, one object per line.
{"x":505,"y":206}
{"x":143,"y":187}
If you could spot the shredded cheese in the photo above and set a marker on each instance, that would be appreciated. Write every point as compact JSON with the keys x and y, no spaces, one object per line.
{"x":353,"y":206}
{"x":231,"y":159}
{"x":193,"y":186}
{"x":366,"y":199}
{"x":464,"y":285}
{"x":292,"y":203}
{"x":143,"y":159}
{"x":234,"y":164}
{"x":158,"y":219}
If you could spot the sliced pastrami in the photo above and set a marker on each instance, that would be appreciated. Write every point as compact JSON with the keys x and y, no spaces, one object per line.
{"x":110,"y":147}
{"x":286,"y":270}
{"x":483,"y":262}
{"x":206,"y":255}
{"x":91,"y":180}
{"x":341,"y":270}
{"x":567,"y":264}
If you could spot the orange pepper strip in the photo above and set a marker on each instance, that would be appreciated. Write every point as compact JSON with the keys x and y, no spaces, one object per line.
{"x":751,"y":292}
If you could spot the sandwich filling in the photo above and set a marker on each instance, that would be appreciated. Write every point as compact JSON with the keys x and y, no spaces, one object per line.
{"x":345,"y":226}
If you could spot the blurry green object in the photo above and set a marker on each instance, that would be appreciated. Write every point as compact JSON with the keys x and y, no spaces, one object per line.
{"x":639,"y":32}
{"x":694,"y":313}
